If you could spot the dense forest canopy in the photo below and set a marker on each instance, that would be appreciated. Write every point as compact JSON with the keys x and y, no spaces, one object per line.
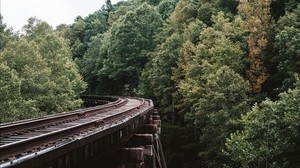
{"x":223,"y":74}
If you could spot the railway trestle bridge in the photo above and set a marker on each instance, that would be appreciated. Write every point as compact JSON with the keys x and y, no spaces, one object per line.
{"x":113,"y":132}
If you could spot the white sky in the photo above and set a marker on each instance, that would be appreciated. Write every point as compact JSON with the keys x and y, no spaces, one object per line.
{"x":16,"y":12}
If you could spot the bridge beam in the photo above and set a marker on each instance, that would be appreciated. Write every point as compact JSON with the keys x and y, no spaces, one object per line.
{"x":146,"y":144}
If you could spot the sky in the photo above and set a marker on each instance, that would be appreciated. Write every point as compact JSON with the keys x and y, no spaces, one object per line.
{"x":16,"y":12}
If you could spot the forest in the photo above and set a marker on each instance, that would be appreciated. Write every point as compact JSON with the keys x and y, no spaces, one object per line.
{"x":222,"y":73}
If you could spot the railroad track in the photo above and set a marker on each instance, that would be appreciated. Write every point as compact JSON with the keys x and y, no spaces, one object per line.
{"x":26,"y":137}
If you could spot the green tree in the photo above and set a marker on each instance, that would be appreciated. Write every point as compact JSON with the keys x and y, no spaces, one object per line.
{"x":166,"y":7}
{"x":30,"y":75}
{"x":288,"y":104}
{"x":263,"y":140}
{"x":270,"y":135}
{"x":290,"y":5}
{"x":12,"y":105}
{"x":198,"y":61}
{"x":158,"y":72}
{"x":5,"y":34}
{"x":67,"y":82}
{"x":91,"y":61}
{"x":217,"y":45}
{"x":183,"y":13}
{"x":120,"y":9}
{"x":130,"y":40}
{"x":286,"y":43}
{"x":78,"y":47}
{"x":43,"y":74}
{"x":36,"y":27}
{"x":206,"y":10}
{"x":185,"y":70}
{"x":222,"y":101}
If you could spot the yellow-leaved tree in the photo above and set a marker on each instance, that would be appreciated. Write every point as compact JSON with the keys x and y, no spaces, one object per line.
{"x":256,"y":14}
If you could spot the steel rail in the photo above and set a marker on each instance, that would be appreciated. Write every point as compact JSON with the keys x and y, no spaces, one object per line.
{"x":16,"y":148}
{"x":113,"y":101}
{"x":11,"y":128}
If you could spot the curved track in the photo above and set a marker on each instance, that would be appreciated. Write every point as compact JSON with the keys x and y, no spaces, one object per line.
{"x":21,"y":138}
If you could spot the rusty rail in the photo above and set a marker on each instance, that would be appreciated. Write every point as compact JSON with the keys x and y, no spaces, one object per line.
{"x":30,"y":144}
{"x":18,"y":126}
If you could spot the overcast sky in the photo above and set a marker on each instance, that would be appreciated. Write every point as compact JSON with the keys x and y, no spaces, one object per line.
{"x":16,"y":12}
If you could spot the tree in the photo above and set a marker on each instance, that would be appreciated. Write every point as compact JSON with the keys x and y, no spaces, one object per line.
{"x":5,"y":34}
{"x":12,"y":105}
{"x":29,"y":77}
{"x":290,"y":5}
{"x":91,"y":62}
{"x":221,"y":102}
{"x":216,"y":45}
{"x":158,"y":72}
{"x":196,"y":98}
{"x":67,"y":82}
{"x":166,"y":7}
{"x":185,"y":70}
{"x":223,"y":43}
{"x":288,"y":104}
{"x":157,"y":75}
{"x":120,"y":9}
{"x":270,"y":134}
{"x":36,"y":27}
{"x":45,"y":78}
{"x":262,"y":141}
{"x":286,"y":44}
{"x":257,"y":18}
{"x":130,"y":40}
{"x":78,"y":47}
{"x":206,"y":10}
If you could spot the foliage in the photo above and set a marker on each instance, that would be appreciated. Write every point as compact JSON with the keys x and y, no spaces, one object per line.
{"x":286,"y":44}
{"x":12,"y":105}
{"x":129,"y":42}
{"x":64,"y":73}
{"x":257,"y":17}
{"x":43,"y":75}
{"x":157,"y":74}
{"x":221,"y":106}
{"x":124,"y":49}
{"x":5,"y":34}
{"x":82,"y":31}
{"x":270,"y":133}
{"x":193,"y":58}
{"x":30,"y":76}
{"x":35,"y":28}
{"x":166,"y":7}
{"x":214,"y":47}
